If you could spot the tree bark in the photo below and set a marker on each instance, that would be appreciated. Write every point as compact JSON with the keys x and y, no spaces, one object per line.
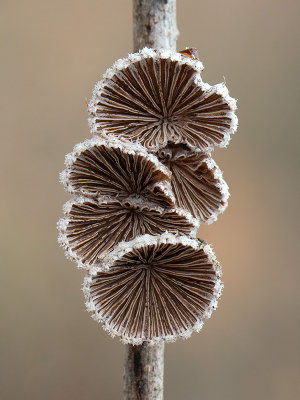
{"x":144,"y":372}
{"x":154,"y":26}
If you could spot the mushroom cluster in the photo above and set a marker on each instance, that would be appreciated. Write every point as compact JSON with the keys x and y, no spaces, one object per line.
{"x":141,"y":186}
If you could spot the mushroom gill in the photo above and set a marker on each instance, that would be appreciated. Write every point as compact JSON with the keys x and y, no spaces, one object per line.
{"x":154,"y":288}
{"x":196,"y":181}
{"x":92,"y":227}
{"x":105,"y":166}
{"x":156,"y":97}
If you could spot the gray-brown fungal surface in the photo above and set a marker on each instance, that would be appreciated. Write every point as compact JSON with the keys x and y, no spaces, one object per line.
{"x":156,"y":97}
{"x":154,"y":288}
{"x":105,"y":166}
{"x":197,"y":182}
{"x":92,"y":227}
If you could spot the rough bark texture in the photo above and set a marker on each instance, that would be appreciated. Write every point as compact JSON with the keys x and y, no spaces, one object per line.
{"x":154,"y":24}
{"x":144,"y":369}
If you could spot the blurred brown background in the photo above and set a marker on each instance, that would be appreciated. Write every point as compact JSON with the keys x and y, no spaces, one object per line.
{"x":52,"y":52}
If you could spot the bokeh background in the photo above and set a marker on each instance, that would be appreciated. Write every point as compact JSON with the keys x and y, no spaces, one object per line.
{"x":52,"y":52}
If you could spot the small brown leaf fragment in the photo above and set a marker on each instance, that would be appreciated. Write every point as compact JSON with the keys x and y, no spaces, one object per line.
{"x":190,"y":52}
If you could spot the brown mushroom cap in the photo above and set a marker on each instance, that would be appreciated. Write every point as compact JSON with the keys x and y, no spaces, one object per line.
{"x":110,"y":167}
{"x":154,"y":288}
{"x":156,"y":97}
{"x":197,"y":182}
{"x":92,"y":227}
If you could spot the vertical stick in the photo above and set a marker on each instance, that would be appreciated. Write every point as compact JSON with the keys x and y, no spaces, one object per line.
{"x":154,"y":25}
{"x":144,"y":372}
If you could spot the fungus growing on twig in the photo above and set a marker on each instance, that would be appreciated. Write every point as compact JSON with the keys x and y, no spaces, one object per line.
{"x":156,"y":97}
{"x":141,"y":188}
{"x":105,"y":166}
{"x":91,"y":227}
{"x":197,"y":182}
{"x":154,"y":288}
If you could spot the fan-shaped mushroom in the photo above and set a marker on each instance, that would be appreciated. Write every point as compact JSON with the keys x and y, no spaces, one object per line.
{"x":154,"y":288}
{"x":156,"y":97}
{"x":197,"y":182}
{"x":110,"y":167}
{"x":92,"y":227}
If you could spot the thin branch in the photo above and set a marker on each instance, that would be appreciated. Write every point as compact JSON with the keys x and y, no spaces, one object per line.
{"x":154,"y":25}
{"x":144,"y":370}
